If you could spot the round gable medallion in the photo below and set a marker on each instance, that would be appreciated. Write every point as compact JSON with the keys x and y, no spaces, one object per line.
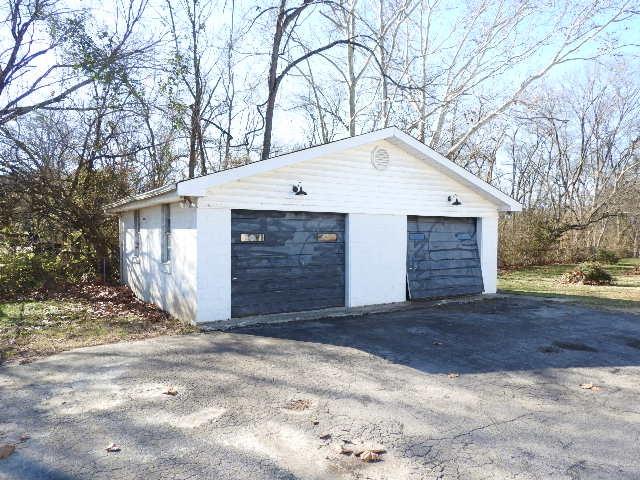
{"x":380,"y":158}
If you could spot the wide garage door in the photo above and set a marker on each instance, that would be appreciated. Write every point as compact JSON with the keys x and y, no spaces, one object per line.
{"x":286,"y":261}
{"x":442,"y":257}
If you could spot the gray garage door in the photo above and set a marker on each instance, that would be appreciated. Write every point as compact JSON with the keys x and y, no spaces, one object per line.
{"x":442,"y":257}
{"x":286,"y":261}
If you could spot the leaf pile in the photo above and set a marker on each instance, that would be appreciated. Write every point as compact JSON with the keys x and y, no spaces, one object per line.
{"x":588,"y":273}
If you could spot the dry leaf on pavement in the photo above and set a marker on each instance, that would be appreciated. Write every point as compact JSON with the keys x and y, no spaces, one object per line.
{"x":6,"y":450}
{"x":369,"y":456}
{"x":590,"y":386}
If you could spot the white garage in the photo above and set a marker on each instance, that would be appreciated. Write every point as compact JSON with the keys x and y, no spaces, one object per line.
{"x":373,"y":219}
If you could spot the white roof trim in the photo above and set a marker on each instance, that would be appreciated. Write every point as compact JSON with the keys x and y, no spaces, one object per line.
{"x":165,"y":194}
{"x":197,"y":187}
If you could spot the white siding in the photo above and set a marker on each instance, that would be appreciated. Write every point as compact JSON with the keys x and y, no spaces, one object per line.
{"x":347,"y":182}
{"x":171,"y":286}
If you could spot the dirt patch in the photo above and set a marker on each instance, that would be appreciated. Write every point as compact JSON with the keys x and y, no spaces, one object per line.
{"x":83,"y":315}
{"x":298,"y":405}
{"x":575,"y":346}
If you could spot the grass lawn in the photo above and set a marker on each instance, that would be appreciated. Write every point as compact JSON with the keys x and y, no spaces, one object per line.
{"x":545,"y":281}
{"x":91,"y":316}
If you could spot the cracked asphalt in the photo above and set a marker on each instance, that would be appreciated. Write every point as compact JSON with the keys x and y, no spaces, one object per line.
{"x":512,"y":408}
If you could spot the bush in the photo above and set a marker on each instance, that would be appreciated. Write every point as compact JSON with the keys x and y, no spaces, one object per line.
{"x":607,"y":257}
{"x":22,"y":271}
{"x":25,"y":269}
{"x":588,"y":273}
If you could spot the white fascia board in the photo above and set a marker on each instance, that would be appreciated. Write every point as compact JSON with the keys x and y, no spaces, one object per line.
{"x":197,"y":187}
{"x":144,"y":200}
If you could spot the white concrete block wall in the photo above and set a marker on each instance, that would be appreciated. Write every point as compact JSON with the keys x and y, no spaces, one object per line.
{"x":488,"y":248}
{"x":376,"y":262}
{"x":172,"y":285}
{"x":214,"y":265}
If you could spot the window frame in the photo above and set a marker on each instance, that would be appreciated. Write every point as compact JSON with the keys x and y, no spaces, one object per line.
{"x":165,"y":233}
{"x":136,"y":233}
{"x":258,"y":237}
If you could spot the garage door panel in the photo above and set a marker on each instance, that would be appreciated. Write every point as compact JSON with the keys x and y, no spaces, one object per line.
{"x":280,"y":225}
{"x":449,"y":264}
{"x":285,"y":284}
{"x":442,"y":226}
{"x":290,"y":269}
{"x":284,"y":296}
{"x":460,"y":254}
{"x":452,"y":291}
{"x":267,"y":308}
{"x":446,"y":255}
{"x":295,"y":249}
{"x":442,"y":257}
{"x":296,"y":272}
{"x":449,"y":272}
{"x":306,"y":261}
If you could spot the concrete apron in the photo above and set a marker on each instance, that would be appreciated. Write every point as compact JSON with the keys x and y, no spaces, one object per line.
{"x":335,"y":312}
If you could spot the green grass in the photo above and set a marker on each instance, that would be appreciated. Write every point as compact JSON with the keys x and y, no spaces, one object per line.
{"x":545,"y":281}
{"x":35,"y":328}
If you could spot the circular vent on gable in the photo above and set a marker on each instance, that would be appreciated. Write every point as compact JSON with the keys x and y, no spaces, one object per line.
{"x":380,"y":158}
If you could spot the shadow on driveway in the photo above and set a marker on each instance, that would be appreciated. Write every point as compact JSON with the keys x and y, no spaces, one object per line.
{"x":501,"y":334}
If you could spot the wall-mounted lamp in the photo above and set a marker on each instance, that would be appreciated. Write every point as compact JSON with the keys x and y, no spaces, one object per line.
{"x":188,"y":202}
{"x":297,"y":189}
{"x":454,"y":200}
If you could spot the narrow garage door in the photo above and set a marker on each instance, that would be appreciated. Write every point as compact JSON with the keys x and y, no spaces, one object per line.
{"x":286,"y":261}
{"x":442,"y":257}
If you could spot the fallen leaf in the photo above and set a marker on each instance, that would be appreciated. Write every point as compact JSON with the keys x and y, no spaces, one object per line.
{"x":369,"y":456}
{"x":453,"y":375}
{"x":113,"y":448}
{"x":171,"y":391}
{"x":6,"y":450}
{"x":299,"y":404}
{"x":590,"y":386}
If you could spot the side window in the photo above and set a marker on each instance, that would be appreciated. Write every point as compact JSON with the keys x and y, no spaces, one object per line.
{"x":166,"y":233}
{"x":136,"y":233}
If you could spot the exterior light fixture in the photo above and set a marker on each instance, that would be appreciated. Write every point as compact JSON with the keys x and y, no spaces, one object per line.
{"x":454,"y":200}
{"x":297,"y":189}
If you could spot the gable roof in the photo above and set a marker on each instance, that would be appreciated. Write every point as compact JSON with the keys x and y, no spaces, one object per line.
{"x":197,"y":187}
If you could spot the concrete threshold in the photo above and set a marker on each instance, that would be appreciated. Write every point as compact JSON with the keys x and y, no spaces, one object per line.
{"x":335,"y":312}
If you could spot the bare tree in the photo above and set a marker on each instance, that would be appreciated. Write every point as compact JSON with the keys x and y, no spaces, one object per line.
{"x":32,"y":77}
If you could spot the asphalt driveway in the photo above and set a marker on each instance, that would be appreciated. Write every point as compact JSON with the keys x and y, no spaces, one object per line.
{"x":483,"y":390}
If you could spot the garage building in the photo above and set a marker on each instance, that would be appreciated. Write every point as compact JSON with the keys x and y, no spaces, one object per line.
{"x":373,"y":219}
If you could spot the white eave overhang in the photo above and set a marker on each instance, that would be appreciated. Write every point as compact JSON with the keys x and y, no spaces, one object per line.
{"x":198,"y":187}
{"x":166,"y":194}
